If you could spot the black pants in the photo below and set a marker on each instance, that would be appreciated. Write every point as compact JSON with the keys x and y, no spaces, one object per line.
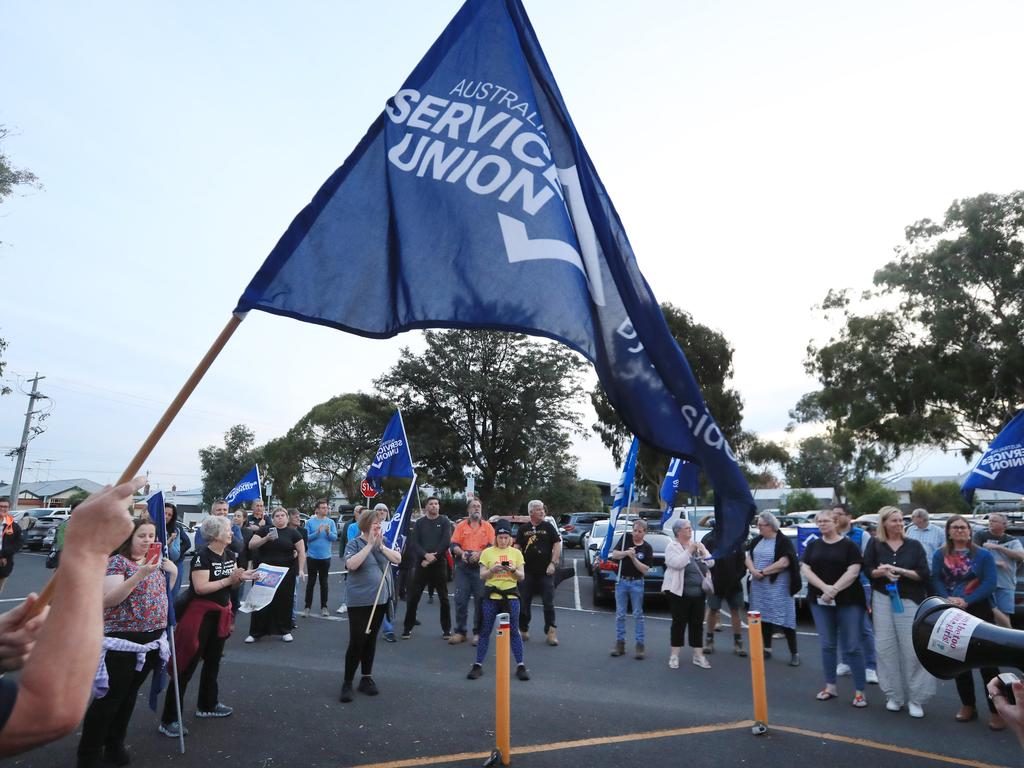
{"x":317,"y":569}
{"x":435,"y":574}
{"x":106,"y":720}
{"x":964,"y":683}
{"x":687,"y":617}
{"x":533,"y":584}
{"x":768,"y":629}
{"x":276,"y":618}
{"x":362,"y":647}
{"x":211,"y":648}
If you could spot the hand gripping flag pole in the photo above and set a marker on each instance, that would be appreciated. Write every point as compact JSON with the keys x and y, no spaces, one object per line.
{"x":46,"y":596}
{"x":395,"y":532}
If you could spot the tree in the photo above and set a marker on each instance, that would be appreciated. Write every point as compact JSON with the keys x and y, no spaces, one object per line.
{"x":222,"y":468}
{"x":817,"y":464}
{"x":496,"y":403}
{"x":941,"y":362}
{"x":11,"y":177}
{"x":867,"y":496}
{"x":566,"y":493}
{"x":710,"y":356}
{"x":939,"y":498}
{"x":799,"y":501}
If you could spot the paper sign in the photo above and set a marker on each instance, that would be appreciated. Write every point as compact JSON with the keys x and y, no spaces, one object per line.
{"x":268,"y":579}
{"x":952,"y":634}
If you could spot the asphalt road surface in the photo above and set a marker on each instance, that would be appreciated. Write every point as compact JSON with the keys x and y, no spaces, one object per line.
{"x":581,"y":707}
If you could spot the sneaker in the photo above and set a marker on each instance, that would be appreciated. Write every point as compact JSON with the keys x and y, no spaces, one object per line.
{"x":174,"y":730}
{"x":843,"y":669}
{"x":859,"y":701}
{"x":474,"y":672}
{"x":407,"y":634}
{"x":525,"y":634}
{"x":305,"y":613}
{"x":738,"y":649}
{"x":446,"y":636}
{"x":914,"y":709}
{"x":794,"y":660}
{"x":343,"y":608}
{"x":871,"y":676}
{"x":522,"y":673}
{"x":552,"y":636}
{"x":346,"y":693}
{"x":673,"y":662}
{"x":367,"y":686}
{"x":324,"y":612}
{"x":250,"y":639}
{"x":457,"y":638}
{"x":287,"y":638}
{"x":417,"y":623}
{"x":221,"y":710}
{"x":476,"y":639}
{"x":389,"y":637}
{"x":892,"y":705}
{"x":709,"y":643}
{"x":700,"y":661}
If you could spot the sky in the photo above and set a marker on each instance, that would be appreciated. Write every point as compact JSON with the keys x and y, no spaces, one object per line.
{"x":758,"y":155}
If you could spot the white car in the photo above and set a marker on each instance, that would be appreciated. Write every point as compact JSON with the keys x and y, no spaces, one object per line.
{"x":594,"y":540}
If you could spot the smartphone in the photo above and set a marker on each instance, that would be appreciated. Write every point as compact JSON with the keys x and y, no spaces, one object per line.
{"x":503,"y":562}
{"x":1006,"y":681}
{"x":154,"y":552}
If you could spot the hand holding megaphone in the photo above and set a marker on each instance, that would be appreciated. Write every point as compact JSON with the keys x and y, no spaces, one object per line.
{"x":949,"y":641}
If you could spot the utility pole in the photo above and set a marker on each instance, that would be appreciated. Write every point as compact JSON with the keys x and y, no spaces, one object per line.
{"x":22,"y":450}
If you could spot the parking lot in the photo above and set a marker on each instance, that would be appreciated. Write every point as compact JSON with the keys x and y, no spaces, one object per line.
{"x":581,"y":706}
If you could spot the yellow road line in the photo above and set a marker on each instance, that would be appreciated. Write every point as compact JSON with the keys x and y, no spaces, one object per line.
{"x":554,"y":746}
{"x":882,"y":746}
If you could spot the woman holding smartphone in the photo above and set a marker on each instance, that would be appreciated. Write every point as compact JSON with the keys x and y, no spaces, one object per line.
{"x":501,"y":568}
{"x":277,"y":544}
{"x":134,"y":619}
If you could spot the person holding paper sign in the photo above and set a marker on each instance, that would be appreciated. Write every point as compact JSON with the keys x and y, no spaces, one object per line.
{"x":965,"y":574}
{"x":366,"y":559}
{"x":280,"y":545}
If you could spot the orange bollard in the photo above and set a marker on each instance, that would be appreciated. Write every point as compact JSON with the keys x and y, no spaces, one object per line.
{"x":756,"y":644}
{"x":502,"y":729}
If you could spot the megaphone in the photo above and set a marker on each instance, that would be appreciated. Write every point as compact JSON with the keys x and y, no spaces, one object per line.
{"x":949,"y":641}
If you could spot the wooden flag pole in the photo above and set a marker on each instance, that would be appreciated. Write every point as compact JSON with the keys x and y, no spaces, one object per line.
{"x":46,"y":596}
{"x":384,"y":575}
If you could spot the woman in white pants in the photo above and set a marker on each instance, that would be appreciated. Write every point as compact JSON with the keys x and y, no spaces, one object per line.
{"x":898,"y":568}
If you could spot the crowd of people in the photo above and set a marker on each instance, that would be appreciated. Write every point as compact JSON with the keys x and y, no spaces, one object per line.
{"x":863,"y":591}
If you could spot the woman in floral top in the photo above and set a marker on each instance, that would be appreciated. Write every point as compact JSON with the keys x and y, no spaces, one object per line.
{"x":965,"y":574}
{"x":134,"y":619}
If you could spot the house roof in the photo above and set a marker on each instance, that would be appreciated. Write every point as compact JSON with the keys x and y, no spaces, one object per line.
{"x":57,"y":487}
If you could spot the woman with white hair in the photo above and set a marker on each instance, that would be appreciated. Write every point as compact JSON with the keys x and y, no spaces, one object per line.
{"x":686,"y":562}
{"x":774,"y":579}
{"x":899,"y":574}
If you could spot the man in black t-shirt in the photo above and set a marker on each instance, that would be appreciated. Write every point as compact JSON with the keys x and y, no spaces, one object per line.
{"x":635,"y":557}
{"x":541,"y":546}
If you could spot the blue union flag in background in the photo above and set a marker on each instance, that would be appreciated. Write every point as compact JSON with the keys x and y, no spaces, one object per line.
{"x":472,"y":203}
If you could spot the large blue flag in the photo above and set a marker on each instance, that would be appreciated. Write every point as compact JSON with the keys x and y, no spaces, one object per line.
{"x":472,"y":203}
{"x":393,"y":458}
{"x":1001,"y":467}
{"x":681,"y":476}
{"x":248,"y":488}
{"x":623,"y":496}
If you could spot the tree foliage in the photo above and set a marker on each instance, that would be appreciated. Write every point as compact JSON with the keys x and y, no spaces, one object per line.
{"x":710,"y":356}
{"x":496,"y":403}
{"x":817,"y":464}
{"x":867,"y":496}
{"x":11,"y":177}
{"x":565,"y":493}
{"x":799,"y":501}
{"x":938,"y":498}
{"x":942,"y":363}
{"x":222,"y":467}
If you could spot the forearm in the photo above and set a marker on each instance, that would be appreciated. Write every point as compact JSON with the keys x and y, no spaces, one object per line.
{"x":117,"y":595}
{"x":847,"y":578}
{"x":393,"y":555}
{"x":813,"y":579}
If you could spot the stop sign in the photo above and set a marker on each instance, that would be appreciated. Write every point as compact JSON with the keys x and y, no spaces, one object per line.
{"x":367,"y":490}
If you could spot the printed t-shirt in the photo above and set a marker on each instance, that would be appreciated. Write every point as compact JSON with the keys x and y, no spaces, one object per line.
{"x":644,"y":553}
{"x":219,"y":567}
{"x":537,"y":543}
{"x":491,"y":557}
{"x":145,"y":609}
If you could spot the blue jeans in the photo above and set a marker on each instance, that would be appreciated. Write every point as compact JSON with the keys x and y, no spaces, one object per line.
{"x":626,"y":590}
{"x":387,"y":626}
{"x":867,"y":636}
{"x":468,"y":584}
{"x":840,"y":625}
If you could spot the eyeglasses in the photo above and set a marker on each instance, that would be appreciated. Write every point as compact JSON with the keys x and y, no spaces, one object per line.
{"x":959,"y":527}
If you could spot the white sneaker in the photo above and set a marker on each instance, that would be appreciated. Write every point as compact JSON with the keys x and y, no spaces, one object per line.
{"x":915,"y":709}
{"x":343,"y":608}
{"x":673,"y":662}
{"x":305,"y":613}
{"x":843,"y":669}
{"x":287,"y":638}
{"x":250,"y":639}
{"x":892,"y":705}
{"x":871,"y":676}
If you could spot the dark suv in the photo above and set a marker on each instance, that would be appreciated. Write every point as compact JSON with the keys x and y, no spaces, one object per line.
{"x":574,"y":526}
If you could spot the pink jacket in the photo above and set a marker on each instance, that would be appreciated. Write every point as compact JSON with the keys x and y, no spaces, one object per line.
{"x":676,"y":560}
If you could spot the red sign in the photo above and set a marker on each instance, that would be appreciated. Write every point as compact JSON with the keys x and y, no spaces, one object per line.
{"x":367,"y":490}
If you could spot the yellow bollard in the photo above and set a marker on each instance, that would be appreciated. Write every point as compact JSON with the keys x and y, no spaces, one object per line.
{"x":756,"y":644}
{"x":502,"y":731}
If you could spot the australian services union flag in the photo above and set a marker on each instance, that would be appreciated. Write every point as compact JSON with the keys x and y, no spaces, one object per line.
{"x":472,"y":203}
{"x":1001,"y":467}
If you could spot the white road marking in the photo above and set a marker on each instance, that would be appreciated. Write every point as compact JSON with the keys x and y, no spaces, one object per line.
{"x":576,"y":584}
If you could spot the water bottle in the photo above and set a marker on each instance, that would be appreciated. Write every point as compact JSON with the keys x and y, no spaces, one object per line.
{"x":894,"y":596}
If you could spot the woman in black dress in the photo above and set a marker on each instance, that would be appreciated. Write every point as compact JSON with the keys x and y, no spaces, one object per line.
{"x":277,"y":544}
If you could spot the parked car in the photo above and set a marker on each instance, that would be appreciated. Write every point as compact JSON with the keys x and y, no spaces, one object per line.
{"x":26,"y":518}
{"x":606,"y":572}
{"x":576,"y":525}
{"x":34,"y":538}
{"x":1016,"y":529}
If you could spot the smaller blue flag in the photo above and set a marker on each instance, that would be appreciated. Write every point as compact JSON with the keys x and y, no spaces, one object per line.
{"x":681,"y":476}
{"x":1001,"y":467}
{"x":155,"y":507}
{"x":396,"y":528}
{"x":393,"y":458}
{"x":248,"y":489}
{"x":623,"y":494}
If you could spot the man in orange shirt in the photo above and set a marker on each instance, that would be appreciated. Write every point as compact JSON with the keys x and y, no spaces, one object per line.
{"x":472,"y":536}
